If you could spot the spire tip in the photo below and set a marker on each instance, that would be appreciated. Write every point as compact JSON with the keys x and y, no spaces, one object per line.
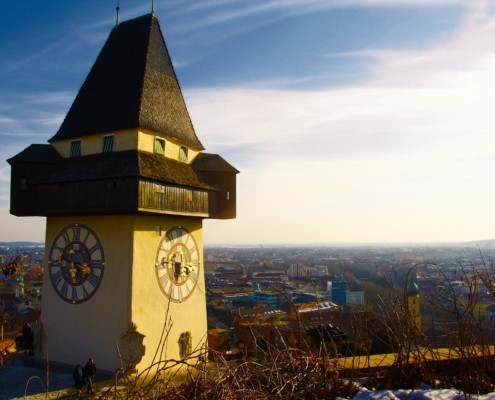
{"x":117,"y":16}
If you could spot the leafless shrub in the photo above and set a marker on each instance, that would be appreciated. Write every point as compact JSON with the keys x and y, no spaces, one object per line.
{"x":452,"y":349}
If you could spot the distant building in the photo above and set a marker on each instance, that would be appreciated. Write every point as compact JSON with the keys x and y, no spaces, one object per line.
{"x":262,"y":329}
{"x":318,"y":271}
{"x":237,"y":300}
{"x":271,"y":277}
{"x":316,"y":312}
{"x":271,"y":299}
{"x":355,"y":296}
{"x":338,"y":292}
{"x":230,"y":272}
{"x":297,"y":271}
{"x":345,"y":293}
{"x":269,"y":330}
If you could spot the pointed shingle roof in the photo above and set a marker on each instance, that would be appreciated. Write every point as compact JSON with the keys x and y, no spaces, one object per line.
{"x":132,"y":84}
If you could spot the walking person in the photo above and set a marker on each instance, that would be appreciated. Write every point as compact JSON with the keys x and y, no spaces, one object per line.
{"x":28,"y":339}
{"x":78,"y":378}
{"x":89,"y":373}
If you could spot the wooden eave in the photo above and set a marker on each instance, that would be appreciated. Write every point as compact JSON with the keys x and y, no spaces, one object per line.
{"x":114,"y":165}
{"x":212,"y":163}
{"x":36,"y":153}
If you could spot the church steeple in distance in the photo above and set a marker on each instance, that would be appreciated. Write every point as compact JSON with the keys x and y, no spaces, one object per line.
{"x":413,"y":303}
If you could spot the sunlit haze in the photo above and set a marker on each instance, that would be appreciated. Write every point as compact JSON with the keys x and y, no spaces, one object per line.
{"x":356,"y":121}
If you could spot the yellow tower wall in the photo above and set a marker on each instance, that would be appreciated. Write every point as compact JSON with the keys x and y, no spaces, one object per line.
{"x":84,"y":330}
{"x":130,"y":139}
{"x":128,"y":300}
{"x":151,"y":311}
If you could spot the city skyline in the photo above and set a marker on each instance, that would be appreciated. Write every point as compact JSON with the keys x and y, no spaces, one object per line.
{"x":365,"y":121}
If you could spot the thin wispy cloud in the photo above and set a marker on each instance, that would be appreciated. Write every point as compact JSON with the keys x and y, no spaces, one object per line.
{"x":213,"y":13}
{"x":33,"y":114}
{"x":262,"y":27}
{"x":9,"y":67}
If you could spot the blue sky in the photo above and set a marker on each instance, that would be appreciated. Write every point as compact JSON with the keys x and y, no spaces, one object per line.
{"x":351,"y":121}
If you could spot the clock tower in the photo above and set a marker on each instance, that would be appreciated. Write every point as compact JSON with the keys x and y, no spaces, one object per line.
{"x":125,"y":184}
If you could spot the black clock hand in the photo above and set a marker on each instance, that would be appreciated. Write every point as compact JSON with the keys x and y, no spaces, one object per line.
{"x":61,"y":258}
{"x":84,"y":267}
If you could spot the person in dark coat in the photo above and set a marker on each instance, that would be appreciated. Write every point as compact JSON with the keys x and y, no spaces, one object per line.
{"x":28,"y":339}
{"x":77,"y":374}
{"x":89,"y":373}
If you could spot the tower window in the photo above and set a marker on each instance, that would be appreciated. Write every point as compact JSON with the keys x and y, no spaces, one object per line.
{"x":183,"y":154}
{"x":107,"y":144}
{"x":75,"y":148}
{"x":160,"y":146}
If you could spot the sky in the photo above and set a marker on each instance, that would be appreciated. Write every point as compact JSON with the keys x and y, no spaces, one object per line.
{"x":351,"y":121}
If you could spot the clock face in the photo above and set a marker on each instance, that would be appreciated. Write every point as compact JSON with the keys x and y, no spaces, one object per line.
{"x":76,"y":263}
{"x":177,"y":264}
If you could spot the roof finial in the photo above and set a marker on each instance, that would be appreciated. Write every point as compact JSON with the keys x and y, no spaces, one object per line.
{"x":117,"y":16}
{"x":153,"y":7}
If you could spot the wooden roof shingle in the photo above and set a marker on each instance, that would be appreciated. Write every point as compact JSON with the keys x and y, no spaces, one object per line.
{"x":115,"y":165}
{"x":132,"y":84}
{"x":36,"y":153}
{"x":212,"y":162}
